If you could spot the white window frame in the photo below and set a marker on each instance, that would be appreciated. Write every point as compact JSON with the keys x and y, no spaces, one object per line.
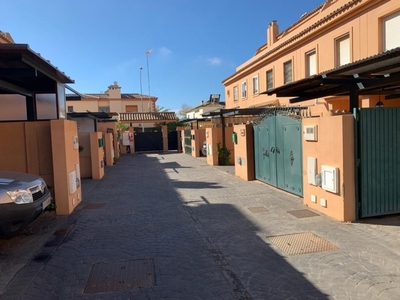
{"x":244,"y":89}
{"x":235,"y":94}
{"x":391,"y":29}
{"x":311,"y":63}
{"x":255,"y":85}
{"x":286,"y":79}
{"x":270,"y":87}
{"x":343,"y":50}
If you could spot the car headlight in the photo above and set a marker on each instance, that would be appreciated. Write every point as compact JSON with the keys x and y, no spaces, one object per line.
{"x":20,"y":196}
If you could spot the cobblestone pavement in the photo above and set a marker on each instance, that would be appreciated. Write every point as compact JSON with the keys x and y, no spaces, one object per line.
{"x":168,"y":226}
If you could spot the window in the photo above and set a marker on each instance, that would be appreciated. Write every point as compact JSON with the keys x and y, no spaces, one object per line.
{"x":131,"y":108}
{"x":244,"y":89}
{"x":235,"y":93}
{"x":255,"y":85}
{"x":311,"y":63}
{"x":342,"y":50}
{"x":287,"y":72}
{"x":391,"y":28}
{"x":70,"y":109}
{"x":270,"y":80}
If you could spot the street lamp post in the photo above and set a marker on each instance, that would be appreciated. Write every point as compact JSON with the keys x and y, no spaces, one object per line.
{"x":141,"y":96}
{"x":148,"y":52}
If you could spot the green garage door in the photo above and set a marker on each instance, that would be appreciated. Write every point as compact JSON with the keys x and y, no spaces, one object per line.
{"x":379,"y":161}
{"x":278,"y":155}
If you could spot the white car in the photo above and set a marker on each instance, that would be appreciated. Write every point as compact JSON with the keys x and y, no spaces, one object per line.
{"x":23,"y":197}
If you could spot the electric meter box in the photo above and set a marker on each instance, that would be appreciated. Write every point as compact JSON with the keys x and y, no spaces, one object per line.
{"x":330,"y":179}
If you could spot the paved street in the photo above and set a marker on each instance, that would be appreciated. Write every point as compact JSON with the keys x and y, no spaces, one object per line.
{"x":169,"y":226}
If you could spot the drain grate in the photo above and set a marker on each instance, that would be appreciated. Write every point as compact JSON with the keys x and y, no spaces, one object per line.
{"x":258,"y":209}
{"x":121,"y":275}
{"x":301,"y":243}
{"x":94,"y":205}
{"x":303,"y":213}
{"x":121,"y":212}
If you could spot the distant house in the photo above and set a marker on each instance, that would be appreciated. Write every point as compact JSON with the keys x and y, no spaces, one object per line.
{"x":112,"y":101}
{"x":212,"y":104}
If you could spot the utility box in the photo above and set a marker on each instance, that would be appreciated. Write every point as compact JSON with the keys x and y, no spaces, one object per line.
{"x":330,"y":179}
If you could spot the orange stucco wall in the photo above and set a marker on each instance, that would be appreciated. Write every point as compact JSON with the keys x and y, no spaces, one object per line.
{"x":108,"y":149}
{"x":97,"y":155}
{"x":244,"y":152}
{"x":110,"y":125}
{"x":66,"y":168}
{"x":335,"y":148}
{"x":28,"y":148}
{"x":85,"y":155}
{"x":197,"y":142}
{"x":214,"y":136}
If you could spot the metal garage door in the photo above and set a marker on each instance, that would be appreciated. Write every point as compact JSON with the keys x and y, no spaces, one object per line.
{"x":379,"y":161}
{"x":278,"y":153}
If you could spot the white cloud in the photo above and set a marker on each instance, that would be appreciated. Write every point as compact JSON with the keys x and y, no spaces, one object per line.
{"x":164,"y":51}
{"x":214,"y":61}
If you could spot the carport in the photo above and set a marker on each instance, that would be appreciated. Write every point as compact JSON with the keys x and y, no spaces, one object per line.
{"x":36,"y":136}
{"x":374,"y":83}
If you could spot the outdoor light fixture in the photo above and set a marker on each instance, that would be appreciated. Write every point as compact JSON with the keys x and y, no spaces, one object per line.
{"x":380,"y":103}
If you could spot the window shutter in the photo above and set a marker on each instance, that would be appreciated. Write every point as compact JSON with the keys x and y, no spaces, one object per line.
{"x":312,"y":63}
{"x":287,"y":67}
{"x":391,"y":32}
{"x":344,"y":50}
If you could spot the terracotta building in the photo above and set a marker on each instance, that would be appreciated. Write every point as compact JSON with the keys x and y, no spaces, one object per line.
{"x":333,"y":79}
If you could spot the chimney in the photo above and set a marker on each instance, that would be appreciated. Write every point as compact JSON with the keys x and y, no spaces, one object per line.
{"x":114,"y":91}
{"x":272,"y":33}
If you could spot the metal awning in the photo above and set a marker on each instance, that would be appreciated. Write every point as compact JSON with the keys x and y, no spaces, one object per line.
{"x":379,"y":74}
{"x":25,"y":72}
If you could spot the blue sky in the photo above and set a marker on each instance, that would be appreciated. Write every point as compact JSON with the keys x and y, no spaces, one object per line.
{"x":195,"y":43}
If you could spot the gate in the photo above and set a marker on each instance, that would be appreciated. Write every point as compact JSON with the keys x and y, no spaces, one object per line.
{"x":188,"y":141}
{"x":148,"y":141}
{"x":379,"y":163}
{"x":173,"y":140}
{"x":278,"y":152}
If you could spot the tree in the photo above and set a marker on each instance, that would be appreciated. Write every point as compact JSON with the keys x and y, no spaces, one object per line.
{"x":122,"y":126}
{"x":161,"y":109}
{"x":182,"y":112}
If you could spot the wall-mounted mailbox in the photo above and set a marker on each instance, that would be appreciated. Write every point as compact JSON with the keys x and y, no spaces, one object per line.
{"x":234,"y":138}
{"x":330,"y":178}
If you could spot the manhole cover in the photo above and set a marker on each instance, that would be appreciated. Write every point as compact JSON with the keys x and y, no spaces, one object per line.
{"x":303,"y":213}
{"x":94,"y":205}
{"x":258,"y":209}
{"x":301,"y":243}
{"x":121,"y":275}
